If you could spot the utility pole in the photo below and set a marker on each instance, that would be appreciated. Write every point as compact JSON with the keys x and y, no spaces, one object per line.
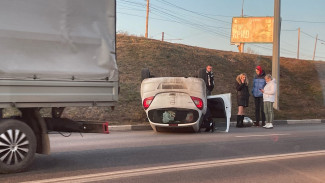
{"x":315,"y":47}
{"x":146,"y":35}
{"x":241,"y":45}
{"x":242,"y":9}
{"x":162,"y":36}
{"x":298,"y":43}
{"x":276,"y":51}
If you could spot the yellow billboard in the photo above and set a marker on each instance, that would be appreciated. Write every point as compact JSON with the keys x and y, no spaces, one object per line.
{"x":252,"y":30}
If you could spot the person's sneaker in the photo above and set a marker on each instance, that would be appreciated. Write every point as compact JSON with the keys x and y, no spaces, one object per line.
{"x":269,"y":126}
{"x":207,"y":129}
{"x":266,"y":125}
{"x":257,"y":124}
{"x":213,"y":128}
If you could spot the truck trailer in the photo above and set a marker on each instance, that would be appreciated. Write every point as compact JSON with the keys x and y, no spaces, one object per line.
{"x":53,"y":54}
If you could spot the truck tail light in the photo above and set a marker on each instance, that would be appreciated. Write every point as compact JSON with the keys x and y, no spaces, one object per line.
{"x":147,"y":101}
{"x":198,"y":102}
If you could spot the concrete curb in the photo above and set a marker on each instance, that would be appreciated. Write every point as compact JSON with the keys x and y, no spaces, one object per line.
{"x":292,"y":122}
{"x":129,"y":127}
{"x":276,"y":122}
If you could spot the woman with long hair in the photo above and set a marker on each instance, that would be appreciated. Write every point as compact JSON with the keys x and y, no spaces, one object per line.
{"x":242,"y":97}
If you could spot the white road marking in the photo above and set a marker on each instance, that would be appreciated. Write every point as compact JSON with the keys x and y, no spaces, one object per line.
{"x":266,"y":135}
{"x":177,"y":167}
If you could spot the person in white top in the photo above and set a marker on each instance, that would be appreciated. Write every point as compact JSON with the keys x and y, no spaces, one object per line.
{"x":268,"y":99}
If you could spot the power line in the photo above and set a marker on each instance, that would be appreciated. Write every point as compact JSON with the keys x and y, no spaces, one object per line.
{"x":307,"y":34}
{"x":205,"y":15}
{"x":186,"y":22}
{"x":283,"y":50}
{"x":288,"y":30}
{"x":180,"y":22}
{"x":137,"y":4}
{"x":159,"y":12}
{"x":209,"y":15}
{"x":313,"y":37}
{"x":290,"y":44}
{"x":179,"y":15}
{"x":181,"y":18}
{"x":129,"y":14}
{"x":201,"y":26}
{"x":304,"y":21}
{"x":197,"y":13}
{"x":123,"y":6}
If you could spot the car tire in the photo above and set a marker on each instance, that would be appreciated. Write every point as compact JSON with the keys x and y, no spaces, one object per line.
{"x":196,"y":128}
{"x":155,"y":128}
{"x":17,"y":146}
{"x":201,"y":73}
{"x":200,"y":125}
{"x":145,"y":73}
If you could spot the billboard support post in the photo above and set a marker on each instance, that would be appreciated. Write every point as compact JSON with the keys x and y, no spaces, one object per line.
{"x":241,"y":45}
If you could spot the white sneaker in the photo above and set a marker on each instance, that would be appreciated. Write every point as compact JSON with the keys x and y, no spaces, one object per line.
{"x":269,"y":126}
{"x":266,"y":125}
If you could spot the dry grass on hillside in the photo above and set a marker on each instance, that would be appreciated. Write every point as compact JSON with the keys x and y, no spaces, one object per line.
{"x":300,"y":90}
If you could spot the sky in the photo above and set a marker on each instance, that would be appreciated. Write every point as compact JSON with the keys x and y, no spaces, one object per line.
{"x":207,"y":23}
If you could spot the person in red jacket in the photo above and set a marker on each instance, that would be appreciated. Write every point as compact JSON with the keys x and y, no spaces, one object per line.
{"x":258,"y":84}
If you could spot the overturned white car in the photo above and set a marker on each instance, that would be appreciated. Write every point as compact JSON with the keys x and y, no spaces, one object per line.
{"x":180,"y":102}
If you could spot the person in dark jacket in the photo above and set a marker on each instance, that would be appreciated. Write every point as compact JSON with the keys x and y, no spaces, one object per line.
{"x":258,"y":84}
{"x":209,"y":79}
{"x":242,"y":97}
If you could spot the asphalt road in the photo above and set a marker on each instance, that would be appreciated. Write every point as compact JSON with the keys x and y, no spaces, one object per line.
{"x":287,"y":153}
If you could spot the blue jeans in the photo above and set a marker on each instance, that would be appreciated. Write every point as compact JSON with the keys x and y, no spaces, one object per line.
{"x":268,"y":110}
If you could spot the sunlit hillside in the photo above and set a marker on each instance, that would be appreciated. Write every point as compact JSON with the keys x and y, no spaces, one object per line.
{"x":301,"y":94}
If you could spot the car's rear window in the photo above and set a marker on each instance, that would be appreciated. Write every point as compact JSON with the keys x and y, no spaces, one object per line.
{"x":173,"y":115}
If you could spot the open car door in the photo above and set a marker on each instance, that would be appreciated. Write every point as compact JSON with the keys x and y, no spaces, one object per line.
{"x":220,"y":108}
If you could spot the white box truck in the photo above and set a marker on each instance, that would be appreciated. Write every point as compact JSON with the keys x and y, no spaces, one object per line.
{"x":56,"y":54}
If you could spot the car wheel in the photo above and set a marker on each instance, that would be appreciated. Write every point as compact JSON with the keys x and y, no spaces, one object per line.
{"x":145,"y":73}
{"x":17,"y":146}
{"x":196,"y":128}
{"x":200,"y":125}
{"x":155,"y":128}
{"x":201,"y":73}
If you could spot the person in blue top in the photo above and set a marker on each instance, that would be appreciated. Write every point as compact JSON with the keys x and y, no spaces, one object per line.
{"x":258,"y":85}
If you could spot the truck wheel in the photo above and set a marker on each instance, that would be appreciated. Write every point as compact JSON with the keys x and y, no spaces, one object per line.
{"x":17,"y":146}
{"x":145,"y":73}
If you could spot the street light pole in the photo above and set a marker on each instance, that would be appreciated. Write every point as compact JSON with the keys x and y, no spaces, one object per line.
{"x":276,"y":51}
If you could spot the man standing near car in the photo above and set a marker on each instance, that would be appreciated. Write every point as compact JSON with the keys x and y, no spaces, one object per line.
{"x":209,"y":79}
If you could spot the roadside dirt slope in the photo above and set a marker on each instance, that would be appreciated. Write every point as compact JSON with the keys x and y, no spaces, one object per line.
{"x":301,"y":84}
